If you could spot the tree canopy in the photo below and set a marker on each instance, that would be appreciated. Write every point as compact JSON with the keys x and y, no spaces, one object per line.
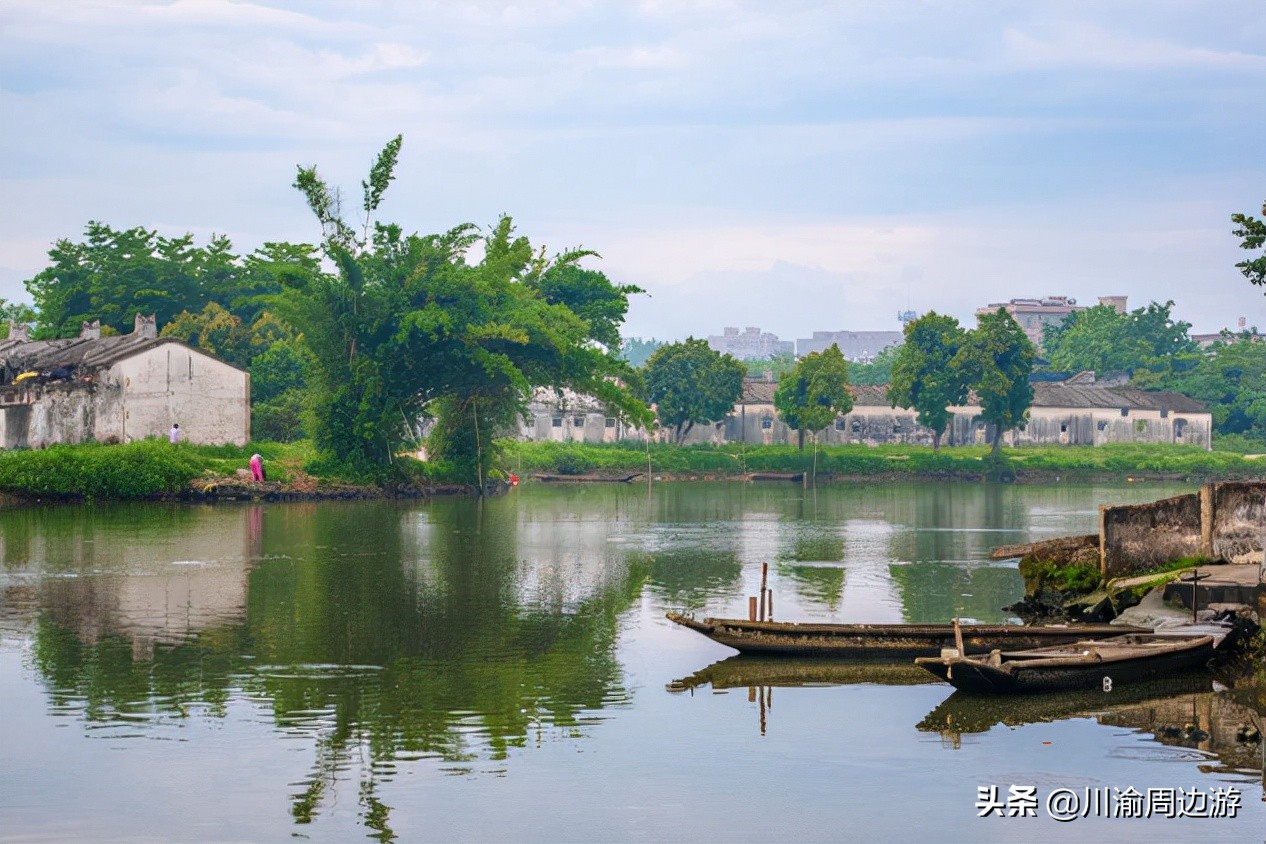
{"x":689,"y":383}
{"x":924,"y":377}
{"x":815,"y":392}
{"x":406,"y":327}
{"x":1102,"y":340}
{"x":996,"y":360}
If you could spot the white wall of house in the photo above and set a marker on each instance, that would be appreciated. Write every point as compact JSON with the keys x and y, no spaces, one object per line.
{"x":171,"y":383}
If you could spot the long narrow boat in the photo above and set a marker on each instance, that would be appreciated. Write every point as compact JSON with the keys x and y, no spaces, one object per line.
{"x":1088,"y":664}
{"x":743,"y":670}
{"x":883,"y":642}
{"x":592,"y":477}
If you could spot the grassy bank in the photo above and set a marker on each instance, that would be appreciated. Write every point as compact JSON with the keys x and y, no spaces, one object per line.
{"x":146,"y":468}
{"x":1029,"y":463}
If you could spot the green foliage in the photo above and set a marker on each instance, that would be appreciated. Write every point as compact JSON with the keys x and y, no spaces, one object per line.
{"x":690,"y":382}
{"x":878,"y":372}
{"x":924,"y":375}
{"x":14,"y":312}
{"x":815,"y":392}
{"x":776,"y":365}
{"x":1081,"y":578}
{"x":996,"y":360}
{"x":1230,"y":379}
{"x":407,"y":328}
{"x":1252,"y":233}
{"x":1102,"y":340}
{"x":140,"y":469}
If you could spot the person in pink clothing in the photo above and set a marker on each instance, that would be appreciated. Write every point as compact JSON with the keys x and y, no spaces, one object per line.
{"x":257,"y":468}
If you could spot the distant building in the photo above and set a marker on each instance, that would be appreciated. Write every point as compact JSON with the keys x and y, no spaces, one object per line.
{"x":1034,"y":315}
{"x":750,"y":343}
{"x":854,"y":345}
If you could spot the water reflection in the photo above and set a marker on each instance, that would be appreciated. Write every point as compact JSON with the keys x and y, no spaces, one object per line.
{"x":452,"y":636}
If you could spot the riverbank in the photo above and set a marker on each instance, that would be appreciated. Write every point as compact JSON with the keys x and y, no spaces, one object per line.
{"x":1038,"y":464}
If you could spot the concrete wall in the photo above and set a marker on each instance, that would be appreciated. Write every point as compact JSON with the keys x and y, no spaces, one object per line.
{"x":1233,"y":520}
{"x":61,"y":412}
{"x":1223,"y":521}
{"x":576,"y":427}
{"x":172,"y":383}
{"x":1138,"y":537}
{"x":1098,"y":426}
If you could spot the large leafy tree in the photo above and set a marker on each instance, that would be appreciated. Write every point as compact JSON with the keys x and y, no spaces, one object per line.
{"x":407,"y":327}
{"x":1103,"y":340}
{"x":923,"y":375}
{"x":814,"y":393}
{"x":996,"y":360}
{"x":1252,"y":233}
{"x":116,"y":273}
{"x":877,"y":371}
{"x":1230,"y":378}
{"x":689,"y":383}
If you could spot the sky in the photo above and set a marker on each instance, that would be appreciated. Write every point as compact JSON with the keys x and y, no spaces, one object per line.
{"x":795,"y":166}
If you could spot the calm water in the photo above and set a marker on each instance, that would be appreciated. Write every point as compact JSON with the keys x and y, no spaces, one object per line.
{"x":504,"y":671}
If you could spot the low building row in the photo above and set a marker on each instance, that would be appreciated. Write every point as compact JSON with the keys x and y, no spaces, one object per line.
{"x":1065,"y":413}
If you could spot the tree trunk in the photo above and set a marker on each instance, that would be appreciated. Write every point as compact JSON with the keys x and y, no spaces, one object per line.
{"x":800,"y":438}
{"x":936,"y":441}
{"x":997,"y":441}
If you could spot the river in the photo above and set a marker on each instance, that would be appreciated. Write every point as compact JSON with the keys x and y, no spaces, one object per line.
{"x":502,"y":671}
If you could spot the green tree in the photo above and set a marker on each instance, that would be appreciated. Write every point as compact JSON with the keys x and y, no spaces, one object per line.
{"x":923,"y":376}
{"x":1230,"y":378}
{"x":18,"y":313}
{"x":813,"y":394}
{"x":408,"y":327}
{"x":689,"y":382}
{"x":1252,"y":233}
{"x":878,"y":371}
{"x":996,"y":360}
{"x":1102,"y":340}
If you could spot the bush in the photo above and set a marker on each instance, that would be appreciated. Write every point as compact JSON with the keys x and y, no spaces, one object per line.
{"x":140,"y":469}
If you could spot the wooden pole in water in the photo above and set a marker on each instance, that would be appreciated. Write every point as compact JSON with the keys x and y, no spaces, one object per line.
{"x":764,"y":578}
{"x":771,"y":604}
{"x":751,"y":608}
{"x":958,"y":638}
{"x":1195,"y":594}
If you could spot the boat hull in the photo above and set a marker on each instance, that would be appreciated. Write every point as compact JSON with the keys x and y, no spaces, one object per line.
{"x":881,"y":642}
{"x":1060,"y":672}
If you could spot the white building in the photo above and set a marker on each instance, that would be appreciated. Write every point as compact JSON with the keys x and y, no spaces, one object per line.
{"x":117,"y":389}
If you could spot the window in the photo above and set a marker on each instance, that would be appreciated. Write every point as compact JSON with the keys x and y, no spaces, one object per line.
{"x":857,"y":426}
{"x":839,"y":424}
{"x":558,"y":421}
{"x":578,"y":421}
{"x":1102,"y":425}
{"x":1063,"y":427}
{"x":610,"y":422}
{"x":1125,"y":411}
{"x":766,"y":424}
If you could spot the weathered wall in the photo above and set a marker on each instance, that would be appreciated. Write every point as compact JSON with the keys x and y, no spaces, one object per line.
{"x":1098,"y":426}
{"x":1233,"y":520}
{"x":60,"y":412}
{"x":173,"y":383}
{"x":1135,"y":538}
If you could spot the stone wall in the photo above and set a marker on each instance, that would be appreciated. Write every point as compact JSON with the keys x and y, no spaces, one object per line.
{"x":1224,"y":521}
{"x":1139,"y":537}
{"x":1233,"y":519}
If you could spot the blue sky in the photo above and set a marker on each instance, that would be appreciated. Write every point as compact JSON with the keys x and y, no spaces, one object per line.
{"x":797,"y":166}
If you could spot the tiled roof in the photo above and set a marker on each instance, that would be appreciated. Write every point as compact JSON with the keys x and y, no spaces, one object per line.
{"x":73,"y":353}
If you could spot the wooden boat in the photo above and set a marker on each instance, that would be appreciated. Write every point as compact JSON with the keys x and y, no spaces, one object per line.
{"x":1087,"y":664}
{"x":883,"y":642}
{"x":776,"y":476}
{"x":589,"y":478}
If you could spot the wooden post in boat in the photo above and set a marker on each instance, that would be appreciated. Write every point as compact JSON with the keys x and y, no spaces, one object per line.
{"x":1195,"y":594}
{"x":764,"y":578}
{"x":958,"y":638}
{"x":751,"y":608}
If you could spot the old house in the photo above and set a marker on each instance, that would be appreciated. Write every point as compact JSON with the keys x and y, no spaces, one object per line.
{"x":117,"y":389}
{"x":566,"y":416}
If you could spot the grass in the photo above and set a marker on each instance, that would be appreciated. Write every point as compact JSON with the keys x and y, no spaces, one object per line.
{"x":1065,"y":462}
